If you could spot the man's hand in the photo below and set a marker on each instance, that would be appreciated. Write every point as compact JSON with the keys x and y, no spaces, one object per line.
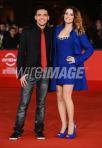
{"x":23,"y":81}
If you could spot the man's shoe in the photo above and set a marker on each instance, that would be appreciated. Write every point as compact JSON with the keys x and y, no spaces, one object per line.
{"x":15,"y":136}
{"x":40,"y":135}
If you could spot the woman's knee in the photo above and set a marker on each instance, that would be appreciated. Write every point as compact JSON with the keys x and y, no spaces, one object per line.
{"x":67,"y":96}
{"x":59,"y":96}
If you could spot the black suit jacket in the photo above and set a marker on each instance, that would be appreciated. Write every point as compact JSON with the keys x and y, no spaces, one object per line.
{"x":30,"y":47}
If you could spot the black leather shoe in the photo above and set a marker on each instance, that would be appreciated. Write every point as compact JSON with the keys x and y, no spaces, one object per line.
{"x":40,"y":135}
{"x":15,"y":136}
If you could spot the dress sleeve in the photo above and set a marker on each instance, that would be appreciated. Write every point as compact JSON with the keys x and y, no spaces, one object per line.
{"x":88,"y":50}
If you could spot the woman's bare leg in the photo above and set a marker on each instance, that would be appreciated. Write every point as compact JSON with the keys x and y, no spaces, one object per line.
{"x":67,"y":95}
{"x":61,"y":107}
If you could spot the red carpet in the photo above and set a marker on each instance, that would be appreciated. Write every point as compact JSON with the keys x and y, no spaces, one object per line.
{"x":88,"y":116}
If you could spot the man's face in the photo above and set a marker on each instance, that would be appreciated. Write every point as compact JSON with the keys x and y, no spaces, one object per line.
{"x":2,"y":27}
{"x":12,"y":32}
{"x":42,"y":17}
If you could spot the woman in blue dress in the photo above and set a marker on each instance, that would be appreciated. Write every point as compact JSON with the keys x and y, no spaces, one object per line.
{"x":68,"y":56}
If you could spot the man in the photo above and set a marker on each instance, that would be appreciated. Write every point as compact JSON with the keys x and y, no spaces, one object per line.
{"x":34,"y":52}
{"x":11,"y":39}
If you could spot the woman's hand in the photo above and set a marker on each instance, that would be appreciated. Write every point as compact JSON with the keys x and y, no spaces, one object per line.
{"x":70,"y":59}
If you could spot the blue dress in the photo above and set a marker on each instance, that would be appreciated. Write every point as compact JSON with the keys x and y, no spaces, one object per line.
{"x":71,"y":46}
{"x":64,"y":49}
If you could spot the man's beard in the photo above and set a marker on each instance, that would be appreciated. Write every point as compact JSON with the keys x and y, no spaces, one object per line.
{"x":42,"y":25}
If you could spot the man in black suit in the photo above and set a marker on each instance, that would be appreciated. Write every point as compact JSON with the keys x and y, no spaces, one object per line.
{"x":34,"y":52}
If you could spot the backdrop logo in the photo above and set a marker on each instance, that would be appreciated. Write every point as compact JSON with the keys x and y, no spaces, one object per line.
{"x":9,"y":59}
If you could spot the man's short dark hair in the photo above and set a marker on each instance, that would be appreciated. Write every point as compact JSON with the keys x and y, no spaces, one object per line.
{"x":39,"y":8}
{"x":12,"y":28}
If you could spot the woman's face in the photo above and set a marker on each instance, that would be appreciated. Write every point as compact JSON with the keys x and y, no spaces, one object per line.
{"x":69,"y":16}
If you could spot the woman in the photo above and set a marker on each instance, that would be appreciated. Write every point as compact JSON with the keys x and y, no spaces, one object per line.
{"x":69,"y":40}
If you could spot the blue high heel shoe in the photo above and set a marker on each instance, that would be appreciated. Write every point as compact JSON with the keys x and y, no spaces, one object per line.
{"x":62,"y":135}
{"x":73,"y":135}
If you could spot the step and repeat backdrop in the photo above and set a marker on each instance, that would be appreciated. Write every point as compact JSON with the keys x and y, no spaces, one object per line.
{"x":8,"y":59}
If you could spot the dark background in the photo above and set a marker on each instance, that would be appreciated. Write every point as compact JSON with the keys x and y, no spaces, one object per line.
{"x":21,"y":11}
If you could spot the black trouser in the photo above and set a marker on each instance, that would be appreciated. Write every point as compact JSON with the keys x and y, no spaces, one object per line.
{"x":41,"y":91}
